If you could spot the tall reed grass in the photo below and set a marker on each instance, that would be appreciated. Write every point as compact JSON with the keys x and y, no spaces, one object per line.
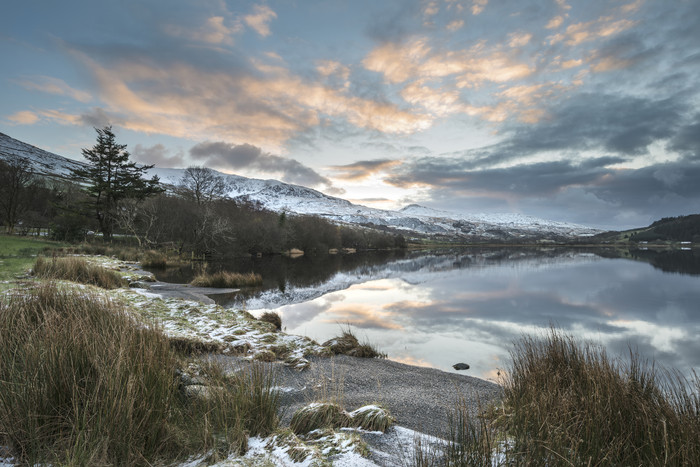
{"x":226,"y":279}
{"x":83,"y":383}
{"x":567,"y":403}
{"x":76,"y":269}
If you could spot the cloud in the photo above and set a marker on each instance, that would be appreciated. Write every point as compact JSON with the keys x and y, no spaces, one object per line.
{"x":23,"y":117}
{"x":224,"y":156}
{"x":687,"y":140}
{"x":362,"y":170}
{"x":478,"y":6}
{"x":214,"y":31}
{"x":260,"y":18}
{"x":157,"y":155}
{"x":53,"y":86}
{"x":260,"y":104}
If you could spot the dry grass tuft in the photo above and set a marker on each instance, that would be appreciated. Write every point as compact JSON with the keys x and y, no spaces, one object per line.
{"x":372,"y":418}
{"x":347,"y":344}
{"x":274,"y":318}
{"x":77,"y":270}
{"x":225,"y":279}
{"x":319,"y":415}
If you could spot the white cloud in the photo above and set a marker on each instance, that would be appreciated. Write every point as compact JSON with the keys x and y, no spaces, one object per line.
{"x":260,"y":18}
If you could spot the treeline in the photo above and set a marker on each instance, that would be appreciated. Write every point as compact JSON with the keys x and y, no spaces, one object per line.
{"x":679,"y":229}
{"x":180,"y":219}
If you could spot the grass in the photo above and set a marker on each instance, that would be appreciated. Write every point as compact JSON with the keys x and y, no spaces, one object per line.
{"x":17,"y":254}
{"x":347,"y":344}
{"x":82,"y":382}
{"x":567,"y":403}
{"x":320,"y":415}
{"x":226,"y":279}
{"x":77,"y":270}
{"x":273,"y":318}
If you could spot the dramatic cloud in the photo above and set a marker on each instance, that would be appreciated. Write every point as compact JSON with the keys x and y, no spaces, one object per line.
{"x":224,"y":156}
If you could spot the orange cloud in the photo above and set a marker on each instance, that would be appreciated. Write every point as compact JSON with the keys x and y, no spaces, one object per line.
{"x":263,"y":109}
{"x":259,"y":19}
{"x":24,"y":117}
{"x":53,"y":86}
{"x":213,"y":31}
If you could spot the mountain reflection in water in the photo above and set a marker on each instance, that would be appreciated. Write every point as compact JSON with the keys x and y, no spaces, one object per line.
{"x":450,"y":306}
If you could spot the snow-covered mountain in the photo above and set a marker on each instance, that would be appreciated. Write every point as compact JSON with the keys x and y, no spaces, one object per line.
{"x":294,"y":199}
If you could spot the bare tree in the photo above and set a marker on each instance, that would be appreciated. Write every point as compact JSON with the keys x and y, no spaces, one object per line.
{"x":15,"y":179}
{"x":202,"y":184}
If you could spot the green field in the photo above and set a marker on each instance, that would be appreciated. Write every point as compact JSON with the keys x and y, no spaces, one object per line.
{"x":17,"y":254}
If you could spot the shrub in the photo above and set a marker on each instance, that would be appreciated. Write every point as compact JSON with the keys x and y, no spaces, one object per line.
{"x":272,"y":317}
{"x":225,"y":279}
{"x":77,"y":270}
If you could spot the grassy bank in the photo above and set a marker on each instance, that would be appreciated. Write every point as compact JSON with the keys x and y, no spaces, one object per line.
{"x":17,"y":254}
{"x":226,"y":279}
{"x":82,"y":382}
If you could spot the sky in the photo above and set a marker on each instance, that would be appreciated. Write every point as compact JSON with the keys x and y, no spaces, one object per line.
{"x":579,"y":111}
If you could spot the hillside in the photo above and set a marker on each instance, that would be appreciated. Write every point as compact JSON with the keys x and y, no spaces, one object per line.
{"x":273,"y":195}
{"x":669,"y":229}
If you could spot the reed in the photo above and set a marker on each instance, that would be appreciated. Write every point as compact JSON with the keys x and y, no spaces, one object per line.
{"x":77,"y":269}
{"x":226,"y":279}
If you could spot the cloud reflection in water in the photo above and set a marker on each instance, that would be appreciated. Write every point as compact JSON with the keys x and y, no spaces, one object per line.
{"x":463,"y":308}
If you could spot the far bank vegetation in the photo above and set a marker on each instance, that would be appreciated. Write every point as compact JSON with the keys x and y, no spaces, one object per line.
{"x":193,"y":217}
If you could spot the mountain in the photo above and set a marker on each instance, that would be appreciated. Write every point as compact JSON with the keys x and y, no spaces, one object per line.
{"x":413,"y":220}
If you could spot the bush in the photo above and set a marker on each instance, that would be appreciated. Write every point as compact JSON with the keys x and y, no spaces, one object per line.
{"x":225,"y":279}
{"x":77,"y":270}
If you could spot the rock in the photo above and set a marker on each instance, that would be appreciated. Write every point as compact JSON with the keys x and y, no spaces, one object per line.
{"x":460,"y":366}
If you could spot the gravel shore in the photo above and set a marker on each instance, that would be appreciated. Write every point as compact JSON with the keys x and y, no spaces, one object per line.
{"x":418,"y":397}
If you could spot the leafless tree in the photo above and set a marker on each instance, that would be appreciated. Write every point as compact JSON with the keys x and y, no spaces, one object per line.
{"x":15,"y":180}
{"x":202,"y":184}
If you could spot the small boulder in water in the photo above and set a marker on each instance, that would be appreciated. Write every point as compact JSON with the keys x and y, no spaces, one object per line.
{"x":460,"y":366}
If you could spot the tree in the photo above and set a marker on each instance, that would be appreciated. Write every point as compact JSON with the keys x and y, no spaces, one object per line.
{"x":15,"y":180}
{"x":111,"y":178}
{"x":202,"y":184}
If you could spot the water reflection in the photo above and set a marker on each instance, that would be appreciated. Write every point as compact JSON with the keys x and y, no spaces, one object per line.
{"x":440,"y":308}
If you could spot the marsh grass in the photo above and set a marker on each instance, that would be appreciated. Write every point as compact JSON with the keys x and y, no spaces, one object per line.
{"x":567,"y":403}
{"x":347,"y":344}
{"x":77,"y":269}
{"x":372,"y":418}
{"x":226,"y":279}
{"x":82,"y":382}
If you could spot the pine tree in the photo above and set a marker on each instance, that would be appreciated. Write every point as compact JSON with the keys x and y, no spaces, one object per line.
{"x":110,"y":178}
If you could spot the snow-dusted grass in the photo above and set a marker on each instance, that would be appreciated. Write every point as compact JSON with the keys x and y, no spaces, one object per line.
{"x":83,"y":381}
{"x":72,"y":268}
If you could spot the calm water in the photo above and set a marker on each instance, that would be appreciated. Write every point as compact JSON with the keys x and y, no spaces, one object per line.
{"x":440,"y":308}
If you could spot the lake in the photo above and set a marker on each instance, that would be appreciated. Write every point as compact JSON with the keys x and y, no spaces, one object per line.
{"x":441,"y":307}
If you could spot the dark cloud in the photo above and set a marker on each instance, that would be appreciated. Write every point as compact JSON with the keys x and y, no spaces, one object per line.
{"x":687,"y":140}
{"x":362,"y":169}
{"x":246,"y":156}
{"x":157,"y":155}
{"x":621,"y":125}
